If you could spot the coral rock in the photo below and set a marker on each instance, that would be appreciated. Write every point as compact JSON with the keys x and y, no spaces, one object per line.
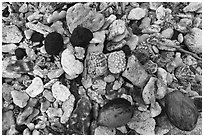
{"x":116,"y":62}
{"x":11,"y":34}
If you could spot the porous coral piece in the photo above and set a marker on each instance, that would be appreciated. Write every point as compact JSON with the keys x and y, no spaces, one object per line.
{"x":97,"y":64}
{"x":184,"y":75}
{"x":53,"y":43}
{"x":56,"y":16}
{"x":116,"y":61}
{"x":70,"y":65}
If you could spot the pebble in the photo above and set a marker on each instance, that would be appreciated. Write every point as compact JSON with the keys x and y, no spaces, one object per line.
{"x":35,"y":88}
{"x":136,"y":14}
{"x":6,"y":92}
{"x":116,"y":28}
{"x":54,"y":112}
{"x":70,"y":65}
{"x":155,"y":109}
{"x":44,"y":106}
{"x":82,"y":15}
{"x":60,"y":92}
{"x":23,"y":8}
{"x":37,"y":37}
{"x":167,"y":33}
{"x":8,"y":48}
{"x":149,"y":90}
{"x":180,"y":38}
{"x":7,"y":120}
{"x":193,"y":6}
{"x":56,"y":16}
{"x":11,"y":34}
{"x":20,"y":53}
{"x":67,"y":108}
{"x":134,"y":72}
{"x":28,"y":33}
{"x":109,"y":78}
{"x":81,"y":36}
{"x":35,"y":16}
{"x":58,"y":27}
{"x":26,"y":132}
{"x":39,"y":27}
{"x":79,"y":52}
{"x":193,"y":40}
{"x":109,"y":21}
{"x":146,"y":21}
{"x":116,"y":61}
{"x":48,"y":95}
{"x":19,"y":98}
{"x":35,"y":132}
{"x":56,"y":73}
{"x":54,"y":43}
{"x":132,"y":42}
{"x":101,"y":130}
{"x":145,"y":127}
{"x":99,"y":37}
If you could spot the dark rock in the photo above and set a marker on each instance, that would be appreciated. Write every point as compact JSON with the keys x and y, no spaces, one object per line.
{"x":20,"y":53}
{"x":54,"y":43}
{"x":181,"y":111}
{"x":20,"y":128}
{"x":81,"y":36}
{"x":115,"y":113}
{"x":37,"y":37}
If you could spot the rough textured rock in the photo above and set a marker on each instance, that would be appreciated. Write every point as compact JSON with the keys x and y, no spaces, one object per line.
{"x":7,"y":120}
{"x":11,"y":34}
{"x":116,"y":28}
{"x":19,"y":98}
{"x":82,"y":15}
{"x":60,"y":92}
{"x":193,"y":40}
{"x":134,"y":72}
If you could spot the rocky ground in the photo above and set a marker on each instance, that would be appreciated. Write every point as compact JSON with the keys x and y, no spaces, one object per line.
{"x":64,"y":64}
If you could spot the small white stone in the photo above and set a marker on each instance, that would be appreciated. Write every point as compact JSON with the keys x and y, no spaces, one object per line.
{"x":109,"y":78}
{"x":60,"y":92}
{"x":35,"y":88}
{"x":70,"y":65}
{"x":9,"y":48}
{"x":136,"y":14}
{"x":101,"y":130}
{"x":155,"y":109}
{"x":116,"y":28}
{"x":19,"y":98}
{"x":193,"y":6}
{"x":167,"y":33}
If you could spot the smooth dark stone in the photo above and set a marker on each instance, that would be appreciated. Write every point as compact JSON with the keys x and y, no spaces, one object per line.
{"x":37,"y":37}
{"x":20,"y":53}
